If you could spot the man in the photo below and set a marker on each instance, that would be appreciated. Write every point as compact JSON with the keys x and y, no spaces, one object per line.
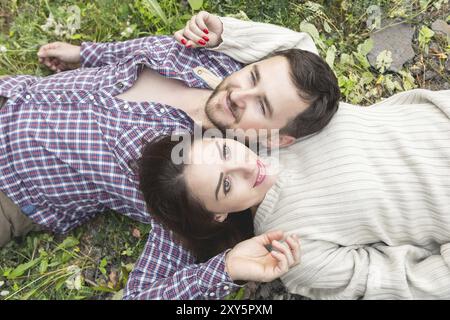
{"x":69,"y":141}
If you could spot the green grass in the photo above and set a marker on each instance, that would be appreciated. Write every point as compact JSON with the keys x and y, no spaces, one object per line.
{"x":93,"y":261}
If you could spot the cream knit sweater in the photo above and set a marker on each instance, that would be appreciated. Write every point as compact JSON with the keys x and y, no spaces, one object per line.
{"x":369,"y":197}
{"x":248,"y":41}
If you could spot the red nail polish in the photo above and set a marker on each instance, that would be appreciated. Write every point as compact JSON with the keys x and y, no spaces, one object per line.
{"x":188,"y":46}
{"x":183,"y":41}
{"x":202,"y":42}
{"x":205,"y":31}
{"x":206,"y":38}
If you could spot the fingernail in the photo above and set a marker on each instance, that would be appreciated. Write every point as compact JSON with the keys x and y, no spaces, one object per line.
{"x":189,"y":45}
{"x":202,"y":42}
{"x":183,"y":41}
{"x":206,"y":31}
{"x":206,"y":38}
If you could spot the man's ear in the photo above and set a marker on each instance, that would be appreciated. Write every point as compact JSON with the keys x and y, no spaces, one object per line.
{"x":283,"y":141}
{"x":220,"y":217}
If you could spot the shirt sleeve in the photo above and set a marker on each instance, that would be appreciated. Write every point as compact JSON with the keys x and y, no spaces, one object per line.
{"x":167,"y":271}
{"x":248,"y":41}
{"x":330,"y":271}
{"x":95,"y":54}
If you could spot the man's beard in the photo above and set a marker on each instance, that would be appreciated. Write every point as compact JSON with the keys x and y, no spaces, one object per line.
{"x":212,"y":109}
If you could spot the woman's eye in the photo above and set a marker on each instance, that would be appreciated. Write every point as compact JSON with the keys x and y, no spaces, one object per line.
{"x":226,"y":185}
{"x":226,"y":152}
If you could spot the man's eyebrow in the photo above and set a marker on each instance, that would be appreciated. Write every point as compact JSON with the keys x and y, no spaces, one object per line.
{"x":218,"y":185}
{"x":266,"y":101}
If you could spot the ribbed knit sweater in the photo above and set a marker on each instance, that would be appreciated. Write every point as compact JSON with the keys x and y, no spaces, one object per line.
{"x":248,"y":42}
{"x":369,"y":197}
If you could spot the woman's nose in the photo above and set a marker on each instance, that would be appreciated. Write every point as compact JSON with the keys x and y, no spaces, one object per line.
{"x":244,"y":167}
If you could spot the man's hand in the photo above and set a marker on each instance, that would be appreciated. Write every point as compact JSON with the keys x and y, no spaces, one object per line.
{"x":203,"y":30}
{"x":249,"y":260}
{"x":60,"y":56}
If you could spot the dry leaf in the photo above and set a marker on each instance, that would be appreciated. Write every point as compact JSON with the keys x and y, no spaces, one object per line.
{"x":136,"y":233}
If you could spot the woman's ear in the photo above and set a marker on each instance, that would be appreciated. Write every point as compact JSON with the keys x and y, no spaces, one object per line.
{"x":285,"y":140}
{"x":220,"y":217}
{"x":280,"y":141}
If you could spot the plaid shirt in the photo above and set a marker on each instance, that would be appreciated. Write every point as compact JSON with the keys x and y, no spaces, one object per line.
{"x":68,"y":145}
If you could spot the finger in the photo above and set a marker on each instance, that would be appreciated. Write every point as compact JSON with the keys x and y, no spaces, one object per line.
{"x":48,"y":49}
{"x":191,"y":36}
{"x":47,"y":62}
{"x":268,"y":237}
{"x":53,"y":63}
{"x":60,"y":66}
{"x":42,"y":51}
{"x":201,"y":19}
{"x":180,"y":38}
{"x":282,"y":265}
{"x":284,"y":248}
{"x":294,"y":246}
{"x":196,"y":30}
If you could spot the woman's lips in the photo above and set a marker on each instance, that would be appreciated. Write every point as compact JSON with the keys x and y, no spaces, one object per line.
{"x":261,"y":173}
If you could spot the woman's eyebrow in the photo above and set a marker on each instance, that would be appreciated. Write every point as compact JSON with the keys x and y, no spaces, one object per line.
{"x":218,"y":185}
{"x":220,"y":151}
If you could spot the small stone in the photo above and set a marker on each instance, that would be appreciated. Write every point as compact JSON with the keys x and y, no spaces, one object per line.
{"x":397,"y":39}
{"x":434,"y":47}
{"x":429,"y":75}
{"x":446,"y":86}
{"x":250,"y":290}
{"x":275,"y":290}
{"x":440,"y":26}
{"x":447,"y":65}
{"x":415,"y":70}
{"x":136,"y":233}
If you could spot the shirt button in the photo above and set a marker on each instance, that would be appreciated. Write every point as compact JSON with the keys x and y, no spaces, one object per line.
{"x":126,"y":106}
{"x":91,"y":97}
{"x":212,"y":294}
{"x":162,"y":110}
{"x":199,"y":71}
{"x":226,"y":288}
{"x":58,"y":97}
{"x":120,"y":85}
{"x":28,"y":97}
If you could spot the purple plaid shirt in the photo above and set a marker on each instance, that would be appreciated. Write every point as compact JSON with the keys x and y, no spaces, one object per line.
{"x":68,"y":148}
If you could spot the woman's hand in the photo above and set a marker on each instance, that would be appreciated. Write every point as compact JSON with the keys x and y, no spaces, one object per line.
{"x":60,"y":56}
{"x":203,"y":30}
{"x":251,"y":261}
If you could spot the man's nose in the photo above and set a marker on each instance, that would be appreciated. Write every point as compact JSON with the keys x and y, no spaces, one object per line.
{"x":241,"y":97}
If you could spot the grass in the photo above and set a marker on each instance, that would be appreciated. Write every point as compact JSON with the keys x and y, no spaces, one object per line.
{"x":93,"y":261}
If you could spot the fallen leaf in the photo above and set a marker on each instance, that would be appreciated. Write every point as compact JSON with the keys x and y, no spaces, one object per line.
{"x":136,"y":233}
{"x":113,"y":278}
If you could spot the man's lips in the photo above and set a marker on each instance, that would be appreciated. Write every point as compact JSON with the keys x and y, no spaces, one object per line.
{"x":261,"y":173}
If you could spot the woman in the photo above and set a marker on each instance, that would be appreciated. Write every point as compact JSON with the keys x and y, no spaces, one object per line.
{"x":369,"y":198}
